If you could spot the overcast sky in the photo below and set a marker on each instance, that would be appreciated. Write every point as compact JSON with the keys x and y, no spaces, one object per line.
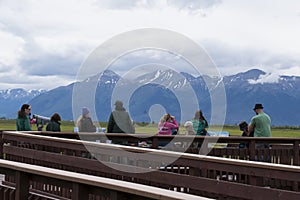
{"x":44,"y":42}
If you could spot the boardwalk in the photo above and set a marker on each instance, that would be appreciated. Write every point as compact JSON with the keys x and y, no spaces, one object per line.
{"x":191,"y":174}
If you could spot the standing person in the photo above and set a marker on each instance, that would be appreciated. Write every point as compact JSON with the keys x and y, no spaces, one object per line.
{"x":199,"y":123}
{"x":85,"y":123}
{"x":168,"y":125}
{"x":260,"y":123}
{"x":23,"y":121}
{"x":119,"y":120}
{"x":54,"y":124}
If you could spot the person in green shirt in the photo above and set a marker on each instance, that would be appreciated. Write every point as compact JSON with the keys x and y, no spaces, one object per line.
{"x":23,"y":121}
{"x":199,"y":123}
{"x":260,"y":123}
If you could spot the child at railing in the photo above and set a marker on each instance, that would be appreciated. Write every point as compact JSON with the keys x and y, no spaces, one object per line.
{"x":244,"y":127}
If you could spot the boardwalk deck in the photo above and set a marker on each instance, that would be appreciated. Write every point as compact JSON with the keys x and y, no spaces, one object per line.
{"x":201,"y":175}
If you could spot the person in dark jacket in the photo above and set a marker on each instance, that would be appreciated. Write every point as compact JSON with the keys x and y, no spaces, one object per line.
{"x":244,"y":127}
{"x":54,"y":124}
{"x":119,"y":120}
{"x":85,"y":123}
{"x":23,"y":121}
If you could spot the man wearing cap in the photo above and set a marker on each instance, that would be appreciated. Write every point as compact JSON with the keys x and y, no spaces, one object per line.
{"x":260,"y":123}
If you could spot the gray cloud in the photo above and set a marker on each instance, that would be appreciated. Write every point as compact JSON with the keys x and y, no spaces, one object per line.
{"x":4,"y":68}
{"x":125,"y":4}
{"x":51,"y":65}
{"x":192,"y":6}
{"x":52,"y":38}
{"x":229,"y":58}
{"x":151,"y":57}
{"x":40,"y":61}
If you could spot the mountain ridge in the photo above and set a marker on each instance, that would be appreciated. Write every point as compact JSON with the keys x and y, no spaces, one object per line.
{"x":280,"y":96}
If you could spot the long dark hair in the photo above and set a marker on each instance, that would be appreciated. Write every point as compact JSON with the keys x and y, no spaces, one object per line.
{"x":22,"y":113}
{"x":199,"y":115}
{"x":55,"y":117}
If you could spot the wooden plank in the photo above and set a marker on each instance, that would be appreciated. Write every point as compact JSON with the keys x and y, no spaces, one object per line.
{"x":115,"y":185}
{"x":251,"y":169}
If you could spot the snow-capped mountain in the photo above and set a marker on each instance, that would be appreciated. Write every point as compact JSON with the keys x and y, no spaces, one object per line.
{"x":19,"y":93}
{"x":280,"y":96}
{"x":12,"y":99}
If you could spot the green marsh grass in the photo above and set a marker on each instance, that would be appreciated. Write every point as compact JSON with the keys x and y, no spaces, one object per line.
{"x":68,"y":126}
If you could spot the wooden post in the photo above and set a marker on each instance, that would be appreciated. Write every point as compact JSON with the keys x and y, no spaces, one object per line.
{"x":79,"y":192}
{"x":252,"y":149}
{"x":296,"y":153}
{"x":155,"y":143}
{"x":1,"y":145}
{"x":22,"y":186}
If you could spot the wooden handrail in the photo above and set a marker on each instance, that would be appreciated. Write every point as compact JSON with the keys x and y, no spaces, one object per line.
{"x":195,"y":173}
{"x":143,"y":191}
{"x":67,"y":143}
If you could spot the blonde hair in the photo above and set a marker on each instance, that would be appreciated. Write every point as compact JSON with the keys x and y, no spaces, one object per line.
{"x":164,"y":118}
{"x":188,"y":125}
{"x":78,"y":122}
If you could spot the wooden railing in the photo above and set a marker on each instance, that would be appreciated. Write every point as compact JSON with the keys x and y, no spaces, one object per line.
{"x":36,"y":182}
{"x":281,"y":150}
{"x":193,"y":174}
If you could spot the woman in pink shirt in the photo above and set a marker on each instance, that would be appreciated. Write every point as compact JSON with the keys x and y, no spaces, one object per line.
{"x":168,"y":125}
